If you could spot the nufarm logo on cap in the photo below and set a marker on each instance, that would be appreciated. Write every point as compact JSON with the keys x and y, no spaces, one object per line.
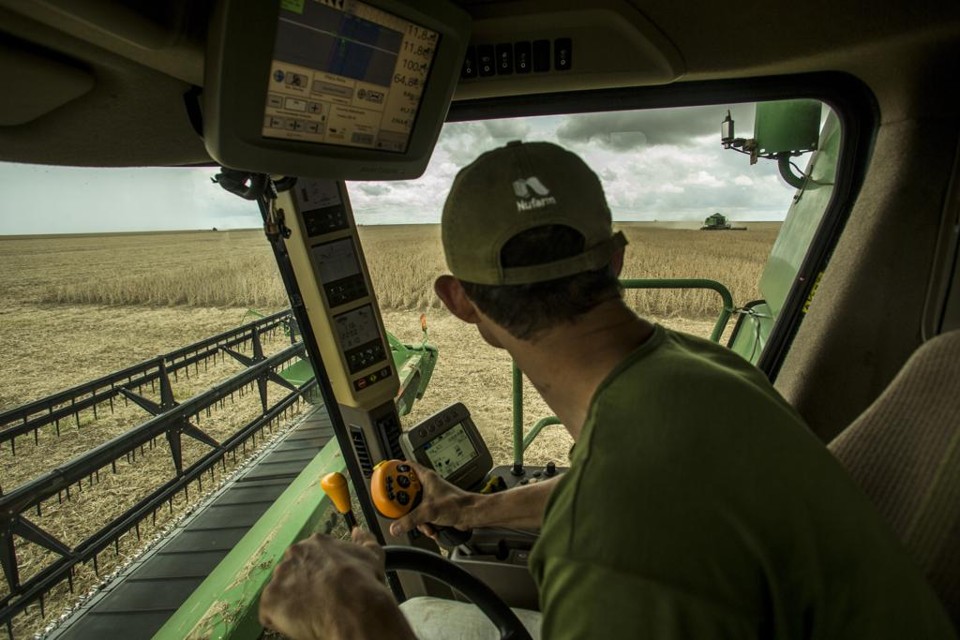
{"x":531,"y":194}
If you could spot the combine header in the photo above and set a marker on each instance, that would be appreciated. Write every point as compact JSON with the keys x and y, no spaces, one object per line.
{"x":150,"y":386}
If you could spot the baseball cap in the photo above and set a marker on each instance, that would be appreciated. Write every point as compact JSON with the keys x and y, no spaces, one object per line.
{"x":517,"y":187}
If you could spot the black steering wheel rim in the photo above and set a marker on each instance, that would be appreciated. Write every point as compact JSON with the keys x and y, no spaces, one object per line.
{"x":437,"y":567}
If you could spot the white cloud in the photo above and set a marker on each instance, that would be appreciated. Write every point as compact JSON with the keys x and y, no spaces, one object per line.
{"x":509,"y":129}
{"x":704,"y":179}
{"x":627,"y":130}
{"x":668,"y":188}
{"x":374,"y":188}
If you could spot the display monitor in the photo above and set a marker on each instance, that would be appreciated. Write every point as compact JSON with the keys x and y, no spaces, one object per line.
{"x":339,"y":270}
{"x":348,"y":75}
{"x":343,"y":89}
{"x":360,"y":338}
{"x":449,"y":443}
{"x":450,"y":451}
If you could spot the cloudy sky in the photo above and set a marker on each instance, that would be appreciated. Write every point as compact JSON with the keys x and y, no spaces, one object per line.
{"x":655,"y":165}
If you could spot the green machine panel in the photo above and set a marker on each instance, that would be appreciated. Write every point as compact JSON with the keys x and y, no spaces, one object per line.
{"x":787,"y":126}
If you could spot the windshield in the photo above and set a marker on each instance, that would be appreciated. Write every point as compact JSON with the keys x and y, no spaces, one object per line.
{"x":102,"y":269}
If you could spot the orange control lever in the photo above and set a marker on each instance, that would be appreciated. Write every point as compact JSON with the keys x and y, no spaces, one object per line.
{"x":336,"y":488}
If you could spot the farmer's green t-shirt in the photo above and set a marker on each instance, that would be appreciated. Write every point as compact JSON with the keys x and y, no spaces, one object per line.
{"x":698,"y":505}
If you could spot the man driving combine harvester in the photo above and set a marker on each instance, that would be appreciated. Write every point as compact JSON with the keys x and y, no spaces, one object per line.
{"x":677,"y":519}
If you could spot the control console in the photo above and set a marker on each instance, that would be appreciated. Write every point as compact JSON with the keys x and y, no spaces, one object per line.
{"x":528,"y":474}
{"x":450,"y":443}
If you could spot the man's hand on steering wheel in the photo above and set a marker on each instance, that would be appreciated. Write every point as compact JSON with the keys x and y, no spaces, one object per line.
{"x":442,"y":504}
{"x":329,"y":588}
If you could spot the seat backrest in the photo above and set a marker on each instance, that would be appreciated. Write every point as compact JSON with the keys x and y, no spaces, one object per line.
{"x":904,"y":450}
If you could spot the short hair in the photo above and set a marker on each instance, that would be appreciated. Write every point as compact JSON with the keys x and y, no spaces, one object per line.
{"x":527,"y":310}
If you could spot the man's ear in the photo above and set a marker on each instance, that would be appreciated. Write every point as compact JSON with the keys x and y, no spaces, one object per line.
{"x":455,"y":299}
{"x":616,"y":262}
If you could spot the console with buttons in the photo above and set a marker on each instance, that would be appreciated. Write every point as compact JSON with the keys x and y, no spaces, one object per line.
{"x":528,"y":474}
{"x":450,"y":443}
{"x":508,"y":58}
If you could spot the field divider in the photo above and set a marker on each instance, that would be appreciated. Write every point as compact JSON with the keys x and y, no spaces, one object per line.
{"x":57,"y":479}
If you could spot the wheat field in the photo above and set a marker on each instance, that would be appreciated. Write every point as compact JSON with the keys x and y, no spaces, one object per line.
{"x":76,"y":307}
{"x":403,"y":259}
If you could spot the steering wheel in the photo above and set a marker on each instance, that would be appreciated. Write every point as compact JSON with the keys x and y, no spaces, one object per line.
{"x":439,"y":568}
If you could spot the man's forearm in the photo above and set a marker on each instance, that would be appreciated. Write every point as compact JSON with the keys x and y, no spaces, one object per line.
{"x":520,"y":507}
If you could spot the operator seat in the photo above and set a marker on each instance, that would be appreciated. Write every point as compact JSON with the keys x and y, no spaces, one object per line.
{"x":440,"y":619}
{"x":904,"y":451}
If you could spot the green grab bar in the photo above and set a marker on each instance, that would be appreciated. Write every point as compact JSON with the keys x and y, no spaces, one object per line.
{"x":521,"y":441}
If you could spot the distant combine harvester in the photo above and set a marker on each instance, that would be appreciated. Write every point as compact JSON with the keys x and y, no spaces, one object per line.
{"x":718,"y":222}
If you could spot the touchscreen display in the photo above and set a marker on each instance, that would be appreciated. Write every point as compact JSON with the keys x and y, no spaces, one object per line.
{"x":339,"y":271}
{"x":346,"y":73}
{"x":450,"y":451}
{"x":336,"y":260}
{"x":356,"y":328}
{"x":359,"y":338}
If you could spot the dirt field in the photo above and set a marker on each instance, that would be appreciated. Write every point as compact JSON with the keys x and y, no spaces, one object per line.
{"x":74,"y":308}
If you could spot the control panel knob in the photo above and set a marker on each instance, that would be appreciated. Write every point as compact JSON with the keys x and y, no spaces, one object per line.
{"x":551,"y":469}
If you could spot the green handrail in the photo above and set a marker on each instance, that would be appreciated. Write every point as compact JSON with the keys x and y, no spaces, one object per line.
{"x":690,"y":283}
{"x":521,"y":441}
{"x":518,"y":446}
{"x":549,"y":421}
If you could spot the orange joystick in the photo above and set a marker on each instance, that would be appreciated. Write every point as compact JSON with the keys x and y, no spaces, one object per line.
{"x":395,"y":488}
{"x":336,"y":488}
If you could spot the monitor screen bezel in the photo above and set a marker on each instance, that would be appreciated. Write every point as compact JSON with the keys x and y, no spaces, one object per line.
{"x":239,"y":57}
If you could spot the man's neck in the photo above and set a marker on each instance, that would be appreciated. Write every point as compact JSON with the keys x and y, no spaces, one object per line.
{"x":567,"y":363}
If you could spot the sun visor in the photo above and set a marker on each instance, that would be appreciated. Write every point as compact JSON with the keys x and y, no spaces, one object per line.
{"x":36,"y":82}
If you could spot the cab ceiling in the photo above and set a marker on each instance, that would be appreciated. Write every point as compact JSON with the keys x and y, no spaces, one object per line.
{"x":100,"y":83}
